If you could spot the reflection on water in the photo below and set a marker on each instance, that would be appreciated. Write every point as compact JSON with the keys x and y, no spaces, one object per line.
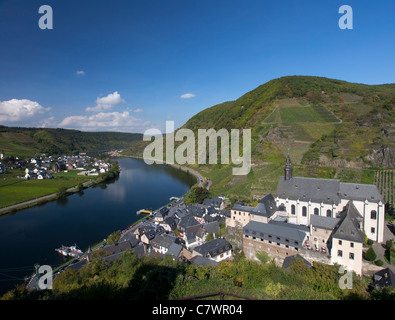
{"x":31,"y":236}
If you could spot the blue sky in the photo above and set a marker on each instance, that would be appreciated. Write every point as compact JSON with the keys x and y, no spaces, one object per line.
{"x":131,"y":65}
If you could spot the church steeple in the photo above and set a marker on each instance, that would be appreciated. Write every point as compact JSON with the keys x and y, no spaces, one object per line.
{"x":288,"y":169}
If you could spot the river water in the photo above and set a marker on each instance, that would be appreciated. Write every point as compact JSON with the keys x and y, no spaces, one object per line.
{"x":31,"y":236}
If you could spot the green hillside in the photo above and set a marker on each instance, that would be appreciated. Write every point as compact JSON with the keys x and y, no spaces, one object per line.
{"x":330,"y":128}
{"x":29,"y":141}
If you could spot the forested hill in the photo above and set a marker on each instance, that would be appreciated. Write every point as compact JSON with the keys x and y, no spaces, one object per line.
{"x":29,"y":141}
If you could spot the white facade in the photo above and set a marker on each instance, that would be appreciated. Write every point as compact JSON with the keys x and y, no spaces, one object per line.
{"x":299,"y":212}
{"x":348,"y":254}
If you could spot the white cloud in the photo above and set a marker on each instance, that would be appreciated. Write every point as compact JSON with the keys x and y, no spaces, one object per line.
{"x":107,"y":102}
{"x":48,"y":123}
{"x":187,"y":95}
{"x":17,"y":110}
{"x":113,"y":121}
{"x":138,"y":110}
{"x":80,"y":72}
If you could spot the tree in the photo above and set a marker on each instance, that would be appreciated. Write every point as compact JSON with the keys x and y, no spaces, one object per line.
{"x":62,"y":192}
{"x":371,"y":254}
{"x":196,"y":195}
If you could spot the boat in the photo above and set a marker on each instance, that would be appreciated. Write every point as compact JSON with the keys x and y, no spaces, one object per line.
{"x":72,"y":251}
{"x":144,"y":211}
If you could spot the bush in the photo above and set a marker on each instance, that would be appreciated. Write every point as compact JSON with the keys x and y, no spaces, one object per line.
{"x":370,"y":254}
{"x":379,"y":263}
{"x":62,"y":192}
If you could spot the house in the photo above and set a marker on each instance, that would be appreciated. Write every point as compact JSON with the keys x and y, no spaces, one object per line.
{"x":239,"y":215}
{"x":383,"y":278}
{"x":194,"y":236}
{"x":217,"y":250}
{"x":162,"y":242}
{"x":278,"y":239}
{"x":265,"y":210}
{"x":347,"y":240}
{"x":116,"y":249}
{"x":160,"y":215}
{"x":147,"y":232}
{"x":202,"y":261}
{"x":211,"y":228}
{"x":175,"y":251}
{"x":184,"y":223}
{"x":290,"y":259}
{"x":197,"y":211}
{"x":169,"y":224}
{"x":217,"y":203}
{"x":321,"y":229}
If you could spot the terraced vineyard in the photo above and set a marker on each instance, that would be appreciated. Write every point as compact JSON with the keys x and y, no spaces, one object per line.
{"x":384,"y":180}
{"x":301,"y":114}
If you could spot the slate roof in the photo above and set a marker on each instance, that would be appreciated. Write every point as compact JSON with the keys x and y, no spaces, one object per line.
{"x":278,"y":232}
{"x":309,"y":189}
{"x":290,"y":259}
{"x":266,"y":206}
{"x":212,"y":227}
{"x":174,"y":250}
{"x":116,"y":248}
{"x":163,"y":240}
{"x":360,"y":192}
{"x":197,"y":210}
{"x":202,"y":261}
{"x":323,"y":222}
{"x":215,"y":202}
{"x":239,"y":206}
{"x":328,"y":191}
{"x":213,"y":248}
{"x":348,"y":227}
{"x":187,"y":221}
{"x":384,"y":277}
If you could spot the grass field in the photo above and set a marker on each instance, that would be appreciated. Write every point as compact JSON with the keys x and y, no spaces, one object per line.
{"x":14,"y":190}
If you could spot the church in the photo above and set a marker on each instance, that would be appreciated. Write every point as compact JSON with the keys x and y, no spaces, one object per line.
{"x":302,"y":198}
{"x":321,"y":219}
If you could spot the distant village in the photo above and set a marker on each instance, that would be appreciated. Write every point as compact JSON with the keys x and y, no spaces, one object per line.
{"x":44,"y":166}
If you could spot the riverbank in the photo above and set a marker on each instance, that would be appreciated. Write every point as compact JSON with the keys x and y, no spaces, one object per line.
{"x":199,"y":177}
{"x":79,"y":184}
{"x":42,"y":200}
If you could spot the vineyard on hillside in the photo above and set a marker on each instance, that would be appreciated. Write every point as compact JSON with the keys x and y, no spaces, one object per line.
{"x":384,"y":180}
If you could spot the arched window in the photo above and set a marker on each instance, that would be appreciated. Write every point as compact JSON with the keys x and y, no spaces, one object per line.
{"x":316,"y":211}
{"x":329,"y":213}
{"x":304,"y":211}
{"x":293,"y":209}
{"x":373,"y":214}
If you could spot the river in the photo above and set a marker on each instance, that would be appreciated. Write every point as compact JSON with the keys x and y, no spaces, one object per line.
{"x":31,"y":236}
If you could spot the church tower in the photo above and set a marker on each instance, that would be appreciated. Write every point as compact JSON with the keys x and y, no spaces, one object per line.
{"x":288,"y":169}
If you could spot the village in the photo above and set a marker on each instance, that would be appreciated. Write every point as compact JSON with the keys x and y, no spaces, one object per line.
{"x":315,"y":220}
{"x":43,"y":167}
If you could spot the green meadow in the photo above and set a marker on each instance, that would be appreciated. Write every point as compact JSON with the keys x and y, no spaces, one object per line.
{"x":14,"y":190}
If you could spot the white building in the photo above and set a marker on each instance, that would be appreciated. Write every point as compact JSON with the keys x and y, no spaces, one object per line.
{"x":304,"y":197}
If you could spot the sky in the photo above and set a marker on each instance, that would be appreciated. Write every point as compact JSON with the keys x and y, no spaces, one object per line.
{"x":132,"y":65}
